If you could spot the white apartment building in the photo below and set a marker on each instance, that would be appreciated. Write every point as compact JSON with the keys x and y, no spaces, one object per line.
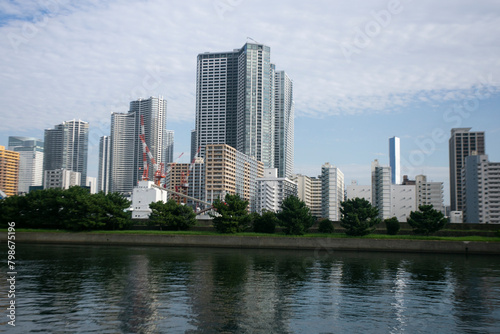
{"x":403,"y":201}
{"x":272,"y":190}
{"x":360,"y":191}
{"x":61,"y":178}
{"x":31,"y":161}
{"x":381,"y":190}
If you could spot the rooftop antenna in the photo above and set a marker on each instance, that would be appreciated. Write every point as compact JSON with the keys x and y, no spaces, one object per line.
{"x":250,"y":38}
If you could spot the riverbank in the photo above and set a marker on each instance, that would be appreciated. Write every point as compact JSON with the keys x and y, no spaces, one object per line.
{"x":263,"y":242}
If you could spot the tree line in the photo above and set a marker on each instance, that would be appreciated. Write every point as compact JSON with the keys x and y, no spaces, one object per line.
{"x":77,"y":209}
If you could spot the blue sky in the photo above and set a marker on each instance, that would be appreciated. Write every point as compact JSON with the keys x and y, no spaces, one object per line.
{"x":363,"y":71}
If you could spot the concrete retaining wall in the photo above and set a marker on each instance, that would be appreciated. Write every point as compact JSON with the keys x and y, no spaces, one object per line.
{"x":229,"y":241}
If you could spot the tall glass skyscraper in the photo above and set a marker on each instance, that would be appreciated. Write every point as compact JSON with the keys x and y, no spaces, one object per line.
{"x":235,"y":103}
{"x":395,"y":159}
{"x":104,"y":164}
{"x":66,"y":147}
{"x":283,"y":125}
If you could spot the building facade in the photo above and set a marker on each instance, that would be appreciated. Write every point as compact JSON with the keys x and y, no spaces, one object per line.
{"x":169,"y":146}
{"x":228,"y":171}
{"x":283,"y":124}
{"x":309,"y":191}
{"x":145,"y":193}
{"x":481,"y":190}
{"x":381,"y":190}
{"x":9,"y":171}
{"x":30,"y":161}
{"x":332,"y":191}
{"x":122,"y":153}
{"x":272,"y":190}
{"x":103,"y":174}
{"x":66,"y":147}
{"x":403,"y":201}
{"x":429,"y":193}
{"x":354,"y":190}
{"x":462,"y":143}
{"x":395,"y":159}
{"x":61,"y":178}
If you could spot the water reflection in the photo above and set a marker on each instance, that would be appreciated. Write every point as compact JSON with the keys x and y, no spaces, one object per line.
{"x":157,"y":290}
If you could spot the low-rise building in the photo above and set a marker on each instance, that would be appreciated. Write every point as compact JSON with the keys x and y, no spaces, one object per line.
{"x":272,"y":190}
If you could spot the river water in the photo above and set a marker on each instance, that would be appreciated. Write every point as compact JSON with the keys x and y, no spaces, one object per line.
{"x":104,"y":289}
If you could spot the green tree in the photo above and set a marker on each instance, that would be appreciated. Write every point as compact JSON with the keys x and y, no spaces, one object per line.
{"x":427,"y":220}
{"x":172,"y":215}
{"x":295,"y":217}
{"x":325,"y":226}
{"x":265,"y":223}
{"x":359,"y":217}
{"x":232,"y":215}
{"x":392,"y":225}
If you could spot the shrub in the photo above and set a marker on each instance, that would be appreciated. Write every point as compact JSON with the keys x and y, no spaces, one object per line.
{"x":232,"y":215}
{"x":392,"y":225}
{"x":325,"y":226}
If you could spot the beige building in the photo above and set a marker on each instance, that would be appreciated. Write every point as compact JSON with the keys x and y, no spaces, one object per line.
{"x":228,"y":171}
{"x":309,"y":191}
{"x":9,"y":171}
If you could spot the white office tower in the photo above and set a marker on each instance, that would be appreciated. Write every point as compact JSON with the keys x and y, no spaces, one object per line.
{"x":381,"y":189}
{"x":429,"y":193}
{"x":481,"y":194}
{"x":284,"y":124}
{"x":66,"y":147}
{"x":332,"y":190}
{"x":395,"y":159}
{"x":272,"y":190}
{"x":122,"y":153}
{"x":309,"y":191}
{"x":104,"y":164}
{"x":145,"y":193}
{"x":403,"y":201}
{"x":30,"y":162}
{"x":92,"y":184}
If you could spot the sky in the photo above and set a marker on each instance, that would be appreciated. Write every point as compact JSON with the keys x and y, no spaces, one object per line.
{"x":363,"y":71}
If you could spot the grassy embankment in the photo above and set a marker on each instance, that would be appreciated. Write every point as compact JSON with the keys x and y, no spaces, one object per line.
{"x":253,"y":234}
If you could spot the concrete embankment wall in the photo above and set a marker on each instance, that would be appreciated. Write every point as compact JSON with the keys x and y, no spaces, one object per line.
{"x":230,"y":241}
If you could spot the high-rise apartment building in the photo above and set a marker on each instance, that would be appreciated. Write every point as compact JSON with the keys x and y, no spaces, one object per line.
{"x":126,"y":148}
{"x":395,"y":159}
{"x":154,"y":113}
{"x":462,"y":143}
{"x":235,"y":103}
{"x":30,"y":163}
{"x":332,"y":190}
{"x":481,"y":190}
{"x":169,"y":146}
{"x":381,"y":189}
{"x":122,"y":153}
{"x":104,"y":164}
{"x":9,"y":171}
{"x":283,"y":124}
{"x":66,"y":147}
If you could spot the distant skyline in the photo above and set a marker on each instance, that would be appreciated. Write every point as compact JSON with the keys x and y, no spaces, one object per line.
{"x":363,"y":72}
